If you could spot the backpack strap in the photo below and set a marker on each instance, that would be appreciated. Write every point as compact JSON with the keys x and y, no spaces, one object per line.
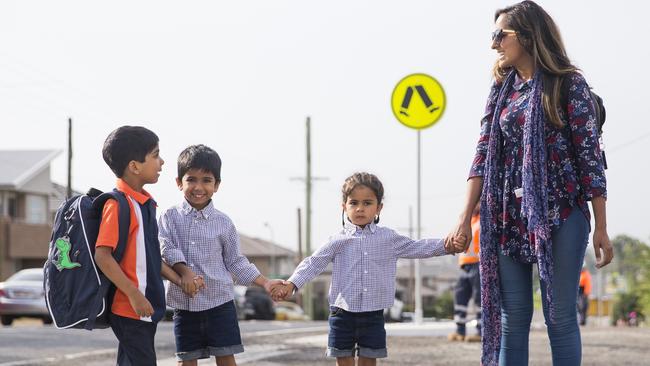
{"x":124,"y":218}
{"x":599,"y":107}
{"x":124,"y":222}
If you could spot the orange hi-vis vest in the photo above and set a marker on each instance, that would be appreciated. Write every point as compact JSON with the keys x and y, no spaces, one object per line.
{"x":471,"y":255}
{"x":585,"y":281}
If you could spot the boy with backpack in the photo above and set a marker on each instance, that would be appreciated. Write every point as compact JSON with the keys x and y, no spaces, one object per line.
{"x":197,"y":239}
{"x":133,"y":155}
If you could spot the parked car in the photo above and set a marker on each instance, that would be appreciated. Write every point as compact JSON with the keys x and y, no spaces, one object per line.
{"x":21,"y":295}
{"x":285,"y":310}
{"x":239,"y":293}
{"x":258,"y":304}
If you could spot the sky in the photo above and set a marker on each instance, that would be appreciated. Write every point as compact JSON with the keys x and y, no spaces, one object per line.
{"x":243,"y":76}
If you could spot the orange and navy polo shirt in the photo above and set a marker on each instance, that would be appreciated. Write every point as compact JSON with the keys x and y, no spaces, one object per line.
{"x":142,"y":261}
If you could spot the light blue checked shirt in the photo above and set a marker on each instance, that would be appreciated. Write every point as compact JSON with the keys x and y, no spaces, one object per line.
{"x":364,"y":265}
{"x":208,"y":243}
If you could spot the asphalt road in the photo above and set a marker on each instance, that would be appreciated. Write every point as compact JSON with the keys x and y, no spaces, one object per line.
{"x":29,"y":342}
{"x":303,"y":343}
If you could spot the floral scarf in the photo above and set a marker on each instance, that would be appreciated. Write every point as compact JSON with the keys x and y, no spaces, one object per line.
{"x":534,"y":207}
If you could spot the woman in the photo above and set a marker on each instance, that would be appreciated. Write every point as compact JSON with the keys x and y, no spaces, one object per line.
{"x":537,"y":164}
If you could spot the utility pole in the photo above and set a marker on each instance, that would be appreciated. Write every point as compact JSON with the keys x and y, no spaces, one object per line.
{"x":409,"y":298}
{"x":274,"y":270}
{"x":69,"y":188}
{"x":308,"y":191}
{"x":307,"y":296}
{"x":307,"y":289}
{"x":299,"y":298}
{"x":300,"y":257}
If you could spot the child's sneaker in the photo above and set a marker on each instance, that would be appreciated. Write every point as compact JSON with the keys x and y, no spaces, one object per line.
{"x":473,"y":338}
{"x":455,"y":337}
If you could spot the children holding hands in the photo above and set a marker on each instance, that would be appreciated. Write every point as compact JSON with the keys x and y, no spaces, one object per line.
{"x":201,"y":245}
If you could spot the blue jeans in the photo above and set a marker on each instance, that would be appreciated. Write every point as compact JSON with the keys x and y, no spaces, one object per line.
{"x":569,"y":244}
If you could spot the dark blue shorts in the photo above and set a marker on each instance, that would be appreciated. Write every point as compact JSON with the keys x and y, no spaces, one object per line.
{"x":136,"y":346}
{"x":202,"y":334}
{"x":361,"y":334}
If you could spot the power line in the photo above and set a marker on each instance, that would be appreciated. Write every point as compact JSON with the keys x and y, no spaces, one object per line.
{"x":631,"y":142}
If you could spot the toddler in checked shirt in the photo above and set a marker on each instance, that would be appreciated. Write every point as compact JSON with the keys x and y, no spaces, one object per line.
{"x":364,"y":257}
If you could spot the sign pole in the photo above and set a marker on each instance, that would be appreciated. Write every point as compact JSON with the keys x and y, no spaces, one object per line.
{"x":418,"y":101}
{"x":418,"y":276}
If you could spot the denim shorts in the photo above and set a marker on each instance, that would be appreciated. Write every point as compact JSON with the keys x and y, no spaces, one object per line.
{"x":202,"y":334}
{"x":352,"y":334}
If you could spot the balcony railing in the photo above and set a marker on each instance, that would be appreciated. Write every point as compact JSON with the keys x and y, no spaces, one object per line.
{"x":24,"y":240}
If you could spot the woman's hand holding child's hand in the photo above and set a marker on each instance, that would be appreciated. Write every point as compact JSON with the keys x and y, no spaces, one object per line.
{"x":459,"y":243}
{"x":455,"y":243}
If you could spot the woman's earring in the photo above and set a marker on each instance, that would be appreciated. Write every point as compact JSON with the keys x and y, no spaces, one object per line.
{"x":343,"y":218}
{"x":377,"y":219}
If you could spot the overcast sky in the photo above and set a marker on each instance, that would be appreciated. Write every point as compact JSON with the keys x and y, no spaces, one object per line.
{"x":242,"y":76}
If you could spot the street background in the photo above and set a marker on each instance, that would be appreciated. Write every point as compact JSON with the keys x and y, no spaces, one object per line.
{"x":242,"y":77}
{"x":298,"y":344}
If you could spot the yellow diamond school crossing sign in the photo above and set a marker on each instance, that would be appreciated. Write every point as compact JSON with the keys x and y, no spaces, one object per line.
{"x":418,"y":101}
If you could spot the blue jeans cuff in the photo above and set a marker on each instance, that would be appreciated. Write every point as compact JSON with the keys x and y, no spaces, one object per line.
{"x":225,"y":351}
{"x":335,"y":352}
{"x":192,"y":355}
{"x":373,"y":352}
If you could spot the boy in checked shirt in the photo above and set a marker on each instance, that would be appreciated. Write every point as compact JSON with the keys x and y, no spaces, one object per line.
{"x":202,"y":245}
{"x":364,"y":257}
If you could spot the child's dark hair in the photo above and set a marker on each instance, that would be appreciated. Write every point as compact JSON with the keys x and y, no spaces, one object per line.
{"x":125,"y":144}
{"x":199,"y":157}
{"x":363,"y":179}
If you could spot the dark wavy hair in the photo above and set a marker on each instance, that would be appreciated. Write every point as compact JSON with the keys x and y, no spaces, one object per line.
{"x":362,"y":179}
{"x":540,"y":38}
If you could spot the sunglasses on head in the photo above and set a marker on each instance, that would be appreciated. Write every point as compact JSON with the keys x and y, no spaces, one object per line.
{"x":499,"y":34}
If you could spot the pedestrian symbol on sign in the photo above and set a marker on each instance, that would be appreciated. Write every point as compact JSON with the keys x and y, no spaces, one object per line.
{"x":418,"y":101}
{"x":423,"y":95}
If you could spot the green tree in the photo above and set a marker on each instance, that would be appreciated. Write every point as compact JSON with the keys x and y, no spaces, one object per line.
{"x":442,"y":308}
{"x":632,"y":264}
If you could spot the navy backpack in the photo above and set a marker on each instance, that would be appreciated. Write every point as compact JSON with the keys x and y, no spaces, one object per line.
{"x":601,"y":113}
{"x":77,"y":293}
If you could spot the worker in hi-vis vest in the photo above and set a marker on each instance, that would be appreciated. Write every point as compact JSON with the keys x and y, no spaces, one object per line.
{"x":584,"y":290}
{"x":468,"y":285}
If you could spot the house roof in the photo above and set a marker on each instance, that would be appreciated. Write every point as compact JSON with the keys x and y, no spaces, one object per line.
{"x":58,"y":195}
{"x":255,"y":247}
{"x":17,"y":167}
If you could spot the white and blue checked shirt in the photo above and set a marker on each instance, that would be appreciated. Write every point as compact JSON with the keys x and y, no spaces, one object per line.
{"x":208,"y":243}
{"x":364,"y":265}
